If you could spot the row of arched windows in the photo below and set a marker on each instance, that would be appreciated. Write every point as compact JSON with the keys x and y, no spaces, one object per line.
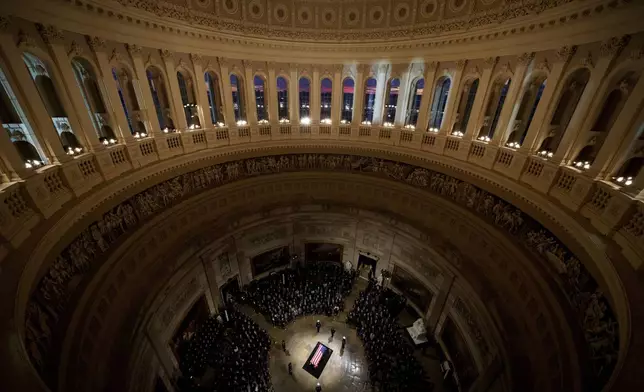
{"x":22,"y":135}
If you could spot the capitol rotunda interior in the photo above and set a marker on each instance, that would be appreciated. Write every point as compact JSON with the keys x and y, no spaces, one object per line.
{"x":415,"y":195}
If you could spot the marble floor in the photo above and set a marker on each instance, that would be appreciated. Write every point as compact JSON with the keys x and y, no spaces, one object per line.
{"x":346,"y":370}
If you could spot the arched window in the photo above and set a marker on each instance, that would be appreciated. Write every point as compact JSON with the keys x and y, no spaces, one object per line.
{"x":391,"y":104}
{"x":469,"y":103}
{"x":282,"y":99}
{"x":609,"y":112}
{"x":441,"y":92}
{"x":88,"y":85}
{"x":305,"y":100}
{"x":188,"y":99}
{"x":527,"y":108}
{"x":496,"y":105}
{"x":260,"y":101}
{"x":326,"y":92}
{"x":51,"y":100}
{"x":413,"y":108}
{"x":15,"y":123}
{"x":214,"y":98}
{"x":348,"y":87}
{"x":127,"y":107}
{"x":369,"y":100}
{"x":156,"y":82}
{"x":571,"y":93}
{"x":239,"y":107}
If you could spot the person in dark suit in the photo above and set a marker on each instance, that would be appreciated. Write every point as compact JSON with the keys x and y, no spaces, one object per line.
{"x":318,"y":324}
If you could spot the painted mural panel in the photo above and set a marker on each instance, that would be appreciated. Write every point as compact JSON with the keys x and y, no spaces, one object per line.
{"x":413,"y":289}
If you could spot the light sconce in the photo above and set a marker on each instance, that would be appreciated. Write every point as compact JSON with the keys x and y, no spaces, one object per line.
{"x":623,"y":180}
{"x":305,"y":121}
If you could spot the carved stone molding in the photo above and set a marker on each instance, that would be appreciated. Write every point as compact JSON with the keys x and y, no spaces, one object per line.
{"x":25,"y":40}
{"x":134,"y":49}
{"x":74,"y":49}
{"x":5,"y":22}
{"x":96,"y":43}
{"x":115,"y":56}
{"x":167,"y":55}
{"x":614,"y":46}
{"x":588,"y":61}
{"x":525,"y":58}
{"x":565,"y":53}
{"x":50,"y":34}
{"x":491,"y":61}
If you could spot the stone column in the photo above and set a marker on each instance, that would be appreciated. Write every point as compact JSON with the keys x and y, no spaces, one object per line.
{"x":98,"y":46}
{"x":226,"y":92}
{"x":39,"y":118}
{"x":451,"y":107}
{"x":173,"y":85}
{"x":54,"y":41}
{"x":548,"y":101}
{"x":502,"y":127}
{"x":147,"y":102}
{"x":315,"y":96}
{"x":199,"y":85}
{"x":249,"y":89}
{"x":403,"y":98}
{"x":381,"y":90}
{"x":294,"y":94}
{"x":163,"y":355}
{"x":358,"y":94}
{"x":211,"y":279}
{"x":271,"y":99}
{"x":336,"y":99}
{"x":428,"y":93}
{"x":437,"y":307}
{"x":580,"y":122}
{"x":621,"y":136}
{"x":14,"y":165}
{"x":478,"y":107}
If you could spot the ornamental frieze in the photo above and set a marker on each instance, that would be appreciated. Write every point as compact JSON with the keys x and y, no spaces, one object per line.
{"x":48,"y":303}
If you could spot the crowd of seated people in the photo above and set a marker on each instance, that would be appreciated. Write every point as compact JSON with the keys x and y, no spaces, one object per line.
{"x":227,"y":353}
{"x":390,"y":357}
{"x":312,"y":288}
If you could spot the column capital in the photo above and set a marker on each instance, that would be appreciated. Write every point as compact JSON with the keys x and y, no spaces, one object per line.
{"x":588,"y":61}
{"x":460,"y":65}
{"x":115,"y":56}
{"x":133,"y":49}
{"x":544,"y":66}
{"x":526,"y":58}
{"x":196,"y":58}
{"x":565,"y":53}
{"x":363,"y":68}
{"x":167,"y":55}
{"x":74,"y":49}
{"x":431,"y":66}
{"x":49,"y":33}
{"x":491,"y":61}
{"x":247,"y":64}
{"x":223,"y":61}
{"x":614,"y":45}
{"x":507,"y":68}
{"x":25,"y":40}
{"x":5,"y":22}
{"x":95,"y":43}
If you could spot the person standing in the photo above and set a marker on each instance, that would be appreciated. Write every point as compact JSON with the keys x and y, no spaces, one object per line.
{"x":284,"y":345}
{"x":332,"y":332}
{"x":318,"y":324}
{"x":290,"y":369}
{"x":344,"y":342}
{"x":318,"y":388}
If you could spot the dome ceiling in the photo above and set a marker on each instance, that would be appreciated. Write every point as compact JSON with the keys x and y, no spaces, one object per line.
{"x":334,"y":20}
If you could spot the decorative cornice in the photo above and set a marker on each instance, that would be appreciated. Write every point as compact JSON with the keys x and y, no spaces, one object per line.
{"x":614,"y":46}
{"x":50,"y":34}
{"x":96,"y":43}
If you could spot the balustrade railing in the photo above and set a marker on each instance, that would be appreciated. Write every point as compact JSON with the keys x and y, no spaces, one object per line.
{"x":609,"y":209}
